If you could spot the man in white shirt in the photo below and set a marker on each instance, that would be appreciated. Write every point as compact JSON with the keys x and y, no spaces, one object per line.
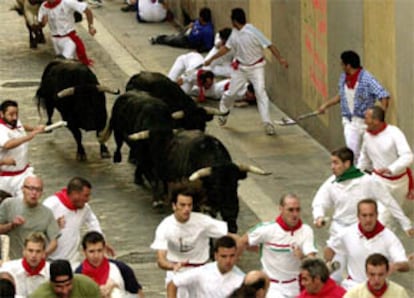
{"x":284,"y":243}
{"x":221,"y":66}
{"x":59,"y":15}
{"x":386,"y":152}
{"x":71,"y":210}
{"x":182,"y":239}
{"x":361,"y":239}
{"x":32,"y":270}
{"x":377,"y":269}
{"x":115,"y":278}
{"x":14,"y":147}
{"x":214,"y":280}
{"x":248,"y":44}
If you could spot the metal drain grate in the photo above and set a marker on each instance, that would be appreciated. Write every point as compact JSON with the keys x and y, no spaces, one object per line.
{"x":20,"y":84}
{"x":138,"y":258}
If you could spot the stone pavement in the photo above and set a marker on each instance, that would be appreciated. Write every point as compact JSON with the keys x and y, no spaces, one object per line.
{"x":120,"y":49}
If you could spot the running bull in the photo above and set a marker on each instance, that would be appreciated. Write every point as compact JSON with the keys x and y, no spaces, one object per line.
{"x":194,"y":155}
{"x":73,"y":89}
{"x":160,"y":86}
{"x":30,"y":9}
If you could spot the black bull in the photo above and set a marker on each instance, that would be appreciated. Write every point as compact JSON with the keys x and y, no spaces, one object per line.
{"x":162,"y":157}
{"x":160,"y":86}
{"x":73,"y":89}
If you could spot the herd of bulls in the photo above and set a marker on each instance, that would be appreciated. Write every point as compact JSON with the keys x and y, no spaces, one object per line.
{"x":163,"y":127}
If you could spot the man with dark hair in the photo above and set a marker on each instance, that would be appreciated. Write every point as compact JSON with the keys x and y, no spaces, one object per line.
{"x":213,"y":280}
{"x":358,"y":91}
{"x":316,"y":282}
{"x":248,"y":44}
{"x":198,"y":35}
{"x":31,"y":270}
{"x":71,"y":210}
{"x":377,"y":285}
{"x":20,"y":217}
{"x":255,"y":285}
{"x":14,"y":147}
{"x":182,"y":239}
{"x":361,"y":239}
{"x":64,"y":284}
{"x":387,"y":154}
{"x":284,"y":243}
{"x":111,"y":276}
{"x":221,"y":66}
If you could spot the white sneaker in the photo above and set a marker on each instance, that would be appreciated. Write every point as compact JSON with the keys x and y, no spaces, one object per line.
{"x":269,"y":129}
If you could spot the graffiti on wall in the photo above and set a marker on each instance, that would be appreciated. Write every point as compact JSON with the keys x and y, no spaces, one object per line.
{"x":314,"y":51}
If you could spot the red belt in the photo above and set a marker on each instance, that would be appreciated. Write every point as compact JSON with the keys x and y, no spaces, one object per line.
{"x":13,"y":173}
{"x":66,"y":35}
{"x":283,"y":281}
{"x":407,"y":172}
{"x":235,"y":64}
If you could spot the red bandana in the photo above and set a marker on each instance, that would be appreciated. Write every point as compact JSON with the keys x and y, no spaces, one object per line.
{"x":52,"y":5}
{"x":201,"y":95}
{"x":379,"y":130}
{"x":33,"y":271}
{"x":351,"y":79}
{"x":98,"y":274}
{"x":65,"y":200}
{"x":378,"y":229}
{"x":377,"y":293}
{"x":2,"y":122}
{"x":285,"y":226}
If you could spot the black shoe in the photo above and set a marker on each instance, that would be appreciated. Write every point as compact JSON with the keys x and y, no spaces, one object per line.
{"x":129,"y":8}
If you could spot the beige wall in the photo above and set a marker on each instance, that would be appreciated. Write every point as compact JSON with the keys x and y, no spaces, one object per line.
{"x":312,"y":34}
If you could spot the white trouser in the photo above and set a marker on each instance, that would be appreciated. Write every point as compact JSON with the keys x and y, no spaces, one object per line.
{"x":64,"y":46}
{"x":14,"y":184}
{"x":398,"y":189}
{"x":184,"y":63}
{"x":254,"y":74}
{"x":334,"y":230}
{"x":278,"y":290}
{"x":353,"y":132}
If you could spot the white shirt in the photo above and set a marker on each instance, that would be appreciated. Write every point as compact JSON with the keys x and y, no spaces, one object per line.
{"x":25,"y":284}
{"x":344,"y":197}
{"x":352,"y":243}
{"x":151,"y":11}
{"x":277,"y":256}
{"x":248,"y":44}
{"x":19,"y":153}
{"x":60,"y":18}
{"x":208,"y":282}
{"x":389,"y":149}
{"x":68,"y":242}
{"x":188,"y":241}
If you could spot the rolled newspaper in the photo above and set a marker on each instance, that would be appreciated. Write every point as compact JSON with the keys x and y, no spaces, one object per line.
{"x":55,"y":125}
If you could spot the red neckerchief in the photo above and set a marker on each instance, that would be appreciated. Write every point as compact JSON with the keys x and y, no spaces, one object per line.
{"x":80,"y":49}
{"x":99,"y":274}
{"x":52,"y":5}
{"x":33,"y":271}
{"x":2,"y":122}
{"x":201,"y":95}
{"x":377,"y":293}
{"x":375,"y":132}
{"x":378,"y":229}
{"x":351,"y":79}
{"x":285,"y":226}
{"x":65,"y":200}
{"x":227,"y":86}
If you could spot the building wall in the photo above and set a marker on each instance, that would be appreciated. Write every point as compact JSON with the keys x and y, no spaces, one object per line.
{"x":311,"y":34}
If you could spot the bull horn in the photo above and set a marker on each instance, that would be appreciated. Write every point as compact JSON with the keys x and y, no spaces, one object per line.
{"x":203,"y":172}
{"x":142,"y":135}
{"x":66,"y":92}
{"x":253,"y":169}
{"x":178,"y":115}
{"x":214,"y":111}
{"x":103,"y":88}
